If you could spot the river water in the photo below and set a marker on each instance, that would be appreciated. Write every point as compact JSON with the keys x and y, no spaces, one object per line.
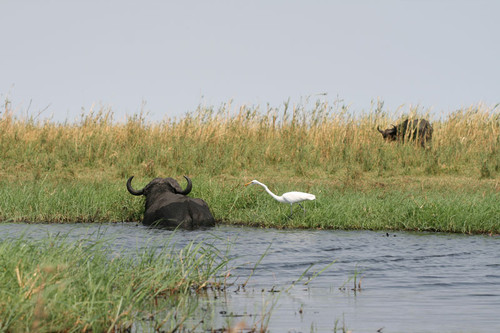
{"x":410,"y":282}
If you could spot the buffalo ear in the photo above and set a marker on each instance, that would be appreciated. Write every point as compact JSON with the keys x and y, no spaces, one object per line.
{"x":176,"y":188}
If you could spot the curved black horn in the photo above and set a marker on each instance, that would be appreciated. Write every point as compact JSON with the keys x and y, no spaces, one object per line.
{"x":131,"y":190}
{"x":188,"y":187}
{"x":378,"y":129}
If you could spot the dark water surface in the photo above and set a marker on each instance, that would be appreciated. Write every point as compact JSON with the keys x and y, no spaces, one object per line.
{"x":410,"y":282}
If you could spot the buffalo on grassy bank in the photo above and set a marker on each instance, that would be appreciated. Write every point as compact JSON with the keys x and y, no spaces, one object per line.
{"x":168,"y":206}
{"x":416,"y":130}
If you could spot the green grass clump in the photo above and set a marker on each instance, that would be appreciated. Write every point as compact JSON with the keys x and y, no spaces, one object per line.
{"x":56,"y":286}
{"x":66,"y":201}
{"x":423,"y":205}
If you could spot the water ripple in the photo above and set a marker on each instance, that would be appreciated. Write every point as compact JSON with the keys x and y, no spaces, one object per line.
{"x":410,"y":282}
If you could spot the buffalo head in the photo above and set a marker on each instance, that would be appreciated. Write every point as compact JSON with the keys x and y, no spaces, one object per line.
{"x":161,"y":185}
{"x":167,"y":205}
{"x":390,"y":134}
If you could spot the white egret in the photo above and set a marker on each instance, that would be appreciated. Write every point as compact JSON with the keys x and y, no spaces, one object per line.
{"x":288,"y":197}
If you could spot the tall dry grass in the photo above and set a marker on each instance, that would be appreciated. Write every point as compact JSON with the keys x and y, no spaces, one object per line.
{"x":76,"y":171}
{"x":311,"y":142}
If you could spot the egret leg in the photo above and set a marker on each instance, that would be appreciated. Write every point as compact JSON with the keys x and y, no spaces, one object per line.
{"x":303,"y":208}
{"x":291,"y":210}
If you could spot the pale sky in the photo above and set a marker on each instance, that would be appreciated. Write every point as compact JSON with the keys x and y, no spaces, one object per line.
{"x":61,"y":56}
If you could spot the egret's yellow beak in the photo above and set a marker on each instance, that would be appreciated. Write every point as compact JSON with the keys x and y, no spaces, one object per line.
{"x":248,"y":183}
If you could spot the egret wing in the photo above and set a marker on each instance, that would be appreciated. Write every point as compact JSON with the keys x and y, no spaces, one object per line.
{"x":293,"y":197}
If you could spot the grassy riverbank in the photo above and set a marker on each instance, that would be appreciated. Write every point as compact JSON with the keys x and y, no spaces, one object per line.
{"x":56,"y":286}
{"x":76,"y":171}
{"x":425,"y":204}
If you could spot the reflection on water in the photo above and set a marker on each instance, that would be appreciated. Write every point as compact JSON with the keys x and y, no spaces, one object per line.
{"x":410,"y":282}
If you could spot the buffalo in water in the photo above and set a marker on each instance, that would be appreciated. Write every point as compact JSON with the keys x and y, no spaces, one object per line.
{"x":416,"y":130}
{"x":167,"y":205}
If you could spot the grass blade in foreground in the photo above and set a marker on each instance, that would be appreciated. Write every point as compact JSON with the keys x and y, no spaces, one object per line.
{"x":55,"y":286}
